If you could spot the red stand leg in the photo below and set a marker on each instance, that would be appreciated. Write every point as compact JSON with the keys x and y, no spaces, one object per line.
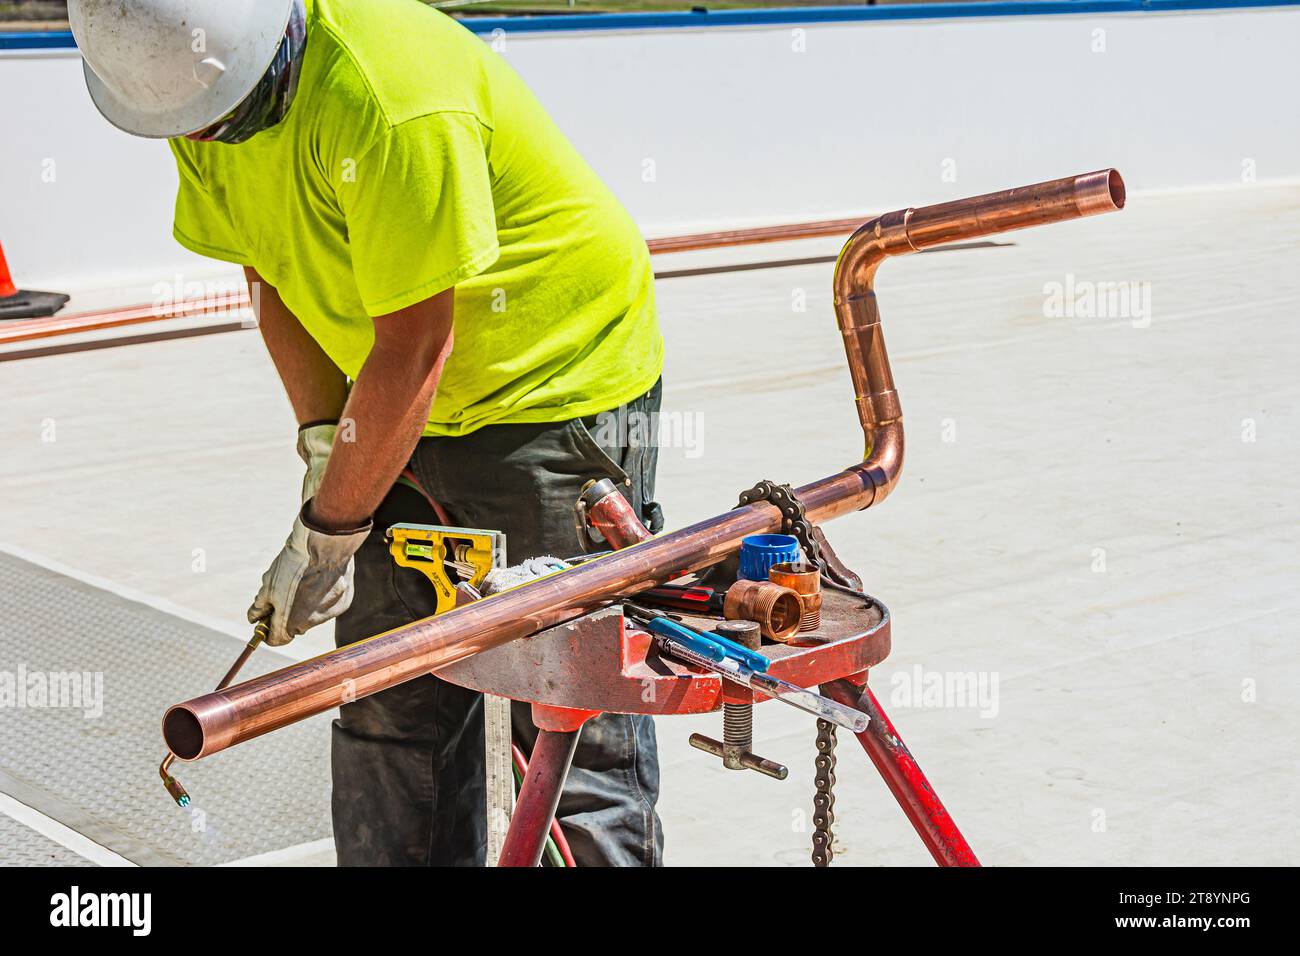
{"x":538,"y":797}
{"x":904,"y":778}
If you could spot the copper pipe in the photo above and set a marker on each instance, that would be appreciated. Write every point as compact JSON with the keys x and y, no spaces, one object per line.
{"x":213,"y":722}
{"x":114,"y":318}
{"x":19,"y":331}
{"x":753,"y":236}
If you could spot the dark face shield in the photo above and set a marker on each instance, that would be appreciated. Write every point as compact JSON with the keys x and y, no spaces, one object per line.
{"x":269,"y":101}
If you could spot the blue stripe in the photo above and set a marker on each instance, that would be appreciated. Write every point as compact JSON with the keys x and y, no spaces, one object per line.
{"x":36,"y":40}
{"x":794,"y":15}
{"x":785,"y":15}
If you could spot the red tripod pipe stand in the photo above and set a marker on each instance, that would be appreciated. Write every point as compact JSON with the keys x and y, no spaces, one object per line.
{"x":602,"y":662}
{"x":904,"y":777}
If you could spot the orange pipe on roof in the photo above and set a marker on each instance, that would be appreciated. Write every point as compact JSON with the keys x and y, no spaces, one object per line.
{"x":226,"y":302}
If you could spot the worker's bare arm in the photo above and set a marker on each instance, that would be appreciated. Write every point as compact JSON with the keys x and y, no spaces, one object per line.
{"x":386,"y":411}
{"x":316,"y":388}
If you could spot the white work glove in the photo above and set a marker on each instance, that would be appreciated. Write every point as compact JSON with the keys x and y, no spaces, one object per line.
{"x":314,"y":445}
{"x":309,"y":582}
{"x":502,"y":579}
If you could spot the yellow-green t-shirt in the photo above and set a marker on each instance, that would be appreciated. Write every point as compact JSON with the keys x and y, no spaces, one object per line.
{"x":413,"y":159}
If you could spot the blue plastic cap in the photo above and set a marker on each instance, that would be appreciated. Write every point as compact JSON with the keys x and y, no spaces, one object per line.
{"x":759,"y":553}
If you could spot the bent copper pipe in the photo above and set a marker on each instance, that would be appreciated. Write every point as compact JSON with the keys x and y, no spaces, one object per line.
{"x":213,"y":722}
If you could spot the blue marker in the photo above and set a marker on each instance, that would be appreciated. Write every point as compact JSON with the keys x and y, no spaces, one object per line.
{"x":713,"y":646}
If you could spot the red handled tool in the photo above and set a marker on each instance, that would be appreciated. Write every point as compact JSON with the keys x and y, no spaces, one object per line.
{"x":693,"y":598}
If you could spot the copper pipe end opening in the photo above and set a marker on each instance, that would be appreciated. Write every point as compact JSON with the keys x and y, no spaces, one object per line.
{"x":183,"y":733}
{"x":777,"y":610}
{"x":1099,"y":192}
{"x":1117,"y":191}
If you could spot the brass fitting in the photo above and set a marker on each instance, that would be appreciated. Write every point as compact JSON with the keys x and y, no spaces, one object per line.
{"x":776,"y":609}
{"x":805,"y":580}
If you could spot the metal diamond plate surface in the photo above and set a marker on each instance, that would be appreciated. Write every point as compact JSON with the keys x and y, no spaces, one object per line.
{"x":23,"y":846}
{"x":94,"y":768}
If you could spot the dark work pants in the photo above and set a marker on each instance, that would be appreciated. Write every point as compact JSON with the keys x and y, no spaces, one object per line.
{"x":408,"y":763}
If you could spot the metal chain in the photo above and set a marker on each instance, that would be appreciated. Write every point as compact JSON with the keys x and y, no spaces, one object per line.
{"x":794,"y":521}
{"x":824,"y":799}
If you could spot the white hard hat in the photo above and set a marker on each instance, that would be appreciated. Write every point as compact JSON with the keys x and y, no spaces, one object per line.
{"x":162,"y":68}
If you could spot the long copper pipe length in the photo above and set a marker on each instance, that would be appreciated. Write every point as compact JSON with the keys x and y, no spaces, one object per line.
{"x":213,"y":722}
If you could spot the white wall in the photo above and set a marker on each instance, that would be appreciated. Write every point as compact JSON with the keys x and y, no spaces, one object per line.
{"x":742,"y":128}
{"x":81,"y":203}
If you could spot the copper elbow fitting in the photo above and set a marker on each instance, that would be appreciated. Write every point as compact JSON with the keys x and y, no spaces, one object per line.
{"x":776,"y":609}
{"x":804,"y":580}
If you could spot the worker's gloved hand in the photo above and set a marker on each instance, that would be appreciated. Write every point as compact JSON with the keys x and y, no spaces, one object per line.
{"x":314,"y":444}
{"x":309,"y":582}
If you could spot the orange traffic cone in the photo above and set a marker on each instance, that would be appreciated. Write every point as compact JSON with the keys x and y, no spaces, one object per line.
{"x":18,"y":303}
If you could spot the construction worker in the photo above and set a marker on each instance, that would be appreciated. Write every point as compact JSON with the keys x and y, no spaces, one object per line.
{"x":443,"y":285}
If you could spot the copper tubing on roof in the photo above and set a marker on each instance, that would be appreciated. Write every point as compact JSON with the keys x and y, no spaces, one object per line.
{"x":20,"y":331}
{"x":213,"y":722}
{"x":753,"y":236}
